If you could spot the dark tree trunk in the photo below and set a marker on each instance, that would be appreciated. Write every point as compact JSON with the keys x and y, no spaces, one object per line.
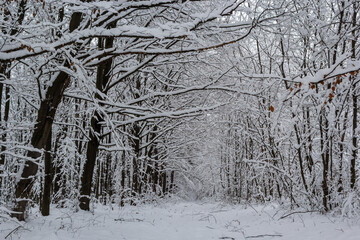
{"x":164,"y":181}
{"x":123,"y":177}
{"x":341,"y":152}
{"x":56,"y":169}
{"x":103,"y":77}
{"x":46,"y":200}
{"x":39,"y":140}
{"x":325,"y":159}
{"x":41,"y":133}
{"x":302,"y":172}
{"x":172,"y":177}
{"x":354,"y":141}
{"x":136,"y":163}
{"x":155,"y":175}
{"x":355,"y":110}
{"x":3,"y":71}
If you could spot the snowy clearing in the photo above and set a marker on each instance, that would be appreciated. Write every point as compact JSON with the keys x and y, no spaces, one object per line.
{"x":179,"y":221}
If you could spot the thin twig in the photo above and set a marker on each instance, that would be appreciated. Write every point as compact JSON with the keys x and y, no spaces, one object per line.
{"x":264,"y":235}
{"x":285,"y":216}
{"x":14,"y":230}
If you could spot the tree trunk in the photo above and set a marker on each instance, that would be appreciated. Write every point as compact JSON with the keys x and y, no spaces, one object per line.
{"x":41,"y":134}
{"x":103,"y":77}
{"x":355,"y":111}
{"x":325,"y":160}
{"x":46,"y":200}
{"x":39,"y":140}
{"x":354,"y":141}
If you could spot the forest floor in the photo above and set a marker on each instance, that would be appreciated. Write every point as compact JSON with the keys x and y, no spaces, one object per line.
{"x":182,"y":221}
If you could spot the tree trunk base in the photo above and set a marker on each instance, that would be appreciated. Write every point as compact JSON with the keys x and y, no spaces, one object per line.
{"x":85,"y":203}
{"x":19,"y":211}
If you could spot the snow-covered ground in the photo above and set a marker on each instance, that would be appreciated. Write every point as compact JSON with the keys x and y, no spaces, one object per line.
{"x":183,"y":221}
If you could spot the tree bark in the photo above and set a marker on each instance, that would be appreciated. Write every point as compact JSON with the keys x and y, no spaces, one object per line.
{"x":355,"y":106}
{"x":354,"y":141}
{"x":325,"y":159}
{"x":42,"y":130}
{"x":102,"y":79}
{"x":39,"y":140}
{"x":46,"y":200}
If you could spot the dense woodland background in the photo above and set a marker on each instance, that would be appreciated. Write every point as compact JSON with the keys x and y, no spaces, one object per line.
{"x":125,"y":102}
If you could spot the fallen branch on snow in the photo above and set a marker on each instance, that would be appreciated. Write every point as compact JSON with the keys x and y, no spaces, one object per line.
{"x":287,"y":215}
{"x":264,"y":235}
{"x":15,"y":230}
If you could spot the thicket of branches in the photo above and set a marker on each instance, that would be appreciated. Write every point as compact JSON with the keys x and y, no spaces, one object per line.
{"x":297,"y":140}
{"x":128,"y":101}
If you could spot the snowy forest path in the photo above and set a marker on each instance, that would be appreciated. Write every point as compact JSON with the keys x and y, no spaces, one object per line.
{"x":183,"y":221}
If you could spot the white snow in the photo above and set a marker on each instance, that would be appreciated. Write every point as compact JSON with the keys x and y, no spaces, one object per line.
{"x":183,"y":221}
